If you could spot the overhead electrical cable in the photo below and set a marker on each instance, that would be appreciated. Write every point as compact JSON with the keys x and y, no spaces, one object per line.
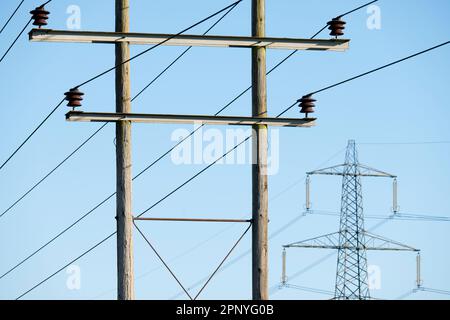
{"x":203,"y":170}
{"x":12,"y":15}
{"x":111,"y":69}
{"x":66,"y":159}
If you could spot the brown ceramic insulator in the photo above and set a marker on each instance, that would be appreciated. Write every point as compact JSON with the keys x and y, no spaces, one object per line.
{"x":307,"y":104}
{"x":40,"y":16}
{"x":74,"y":96}
{"x":337,"y":26}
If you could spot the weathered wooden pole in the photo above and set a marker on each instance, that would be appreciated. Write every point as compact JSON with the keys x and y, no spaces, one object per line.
{"x":125,"y":265}
{"x":259,"y":164}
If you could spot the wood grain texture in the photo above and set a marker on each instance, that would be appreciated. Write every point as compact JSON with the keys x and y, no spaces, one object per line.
{"x":125,"y":264}
{"x":259,"y":166}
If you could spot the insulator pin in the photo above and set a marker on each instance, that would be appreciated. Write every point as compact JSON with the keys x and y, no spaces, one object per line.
{"x":395,"y":207}
{"x":40,"y":16}
{"x":74,"y":96}
{"x":337,"y":26}
{"x":418,"y":271}
{"x":308,"y":200}
{"x":283,"y":268}
{"x":307,"y":104}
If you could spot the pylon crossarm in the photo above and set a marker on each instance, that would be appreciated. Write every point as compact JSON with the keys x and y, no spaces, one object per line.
{"x":75,"y":36}
{"x":337,"y":170}
{"x":372,"y":242}
{"x":372,"y":172}
{"x":328,"y":241}
{"x":376,"y":242}
{"x":361,"y":170}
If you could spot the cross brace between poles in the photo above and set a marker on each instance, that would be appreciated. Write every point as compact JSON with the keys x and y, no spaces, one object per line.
{"x":193,"y":220}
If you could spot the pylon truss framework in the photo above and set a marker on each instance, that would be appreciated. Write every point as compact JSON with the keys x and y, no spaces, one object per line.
{"x":363,"y":171}
{"x":331,"y":241}
{"x":352,"y":241}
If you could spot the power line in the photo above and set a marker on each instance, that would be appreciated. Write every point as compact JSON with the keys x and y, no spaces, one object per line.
{"x":101,"y":127}
{"x":247,"y":252}
{"x":15,"y":40}
{"x":424,"y":289}
{"x":55,"y":237}
{"x":302,"y":180}
{"x":196,"y":175}
{"x":11,"y":16}
{"x":193,"y":177}
{"x":228,"y":104}
{"x":110,"y":69}
{"x":382,"y":222}
{"x":438,"y":291}
{"x":53,"y":170}
{"x":182,"y":54}
{"x":203,"y":170}
{"x":31,"y":134}
{"x":382,"y":67}
{"x":158,"y":44}
{"x":145,"y":211}
{"x":46,"y":118}
{"x":275,"y":288}
{"x":233,"y":100}
{"x":210,"y":165}
{"x":424,"y":217}
{"x":175,"y":258}
{"x":162,"y":260}
{"x":309,"y":289}
{"x":223,"y":261}
{"x":404,"y":143}
{"x":358,"y":8}
{"x":319,"y":32}
{"x":1,"y":59}
{"x":65,"y":266}
{"x":274,"y":234}
{"x":396,"y":216}
{"x":405,"y":295}
{"x":77,"y":221}
{"x":181,"y":186}
{"x":67,"y":158}
{"x":372,"y":71}
{"x":21,"y":32}
{"x":212,"y":274}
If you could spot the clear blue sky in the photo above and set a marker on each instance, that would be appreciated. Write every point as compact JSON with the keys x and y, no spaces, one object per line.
{"x":405,"y":103}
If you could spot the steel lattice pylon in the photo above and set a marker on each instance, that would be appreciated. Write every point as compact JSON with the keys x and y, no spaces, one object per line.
{"x":351,"y":275}
{"x":352,"y":240}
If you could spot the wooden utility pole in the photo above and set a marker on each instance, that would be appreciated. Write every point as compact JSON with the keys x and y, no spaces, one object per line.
{"x":125,"y":265}
{"x":123,"y":117}
{"x":259,"y":164}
